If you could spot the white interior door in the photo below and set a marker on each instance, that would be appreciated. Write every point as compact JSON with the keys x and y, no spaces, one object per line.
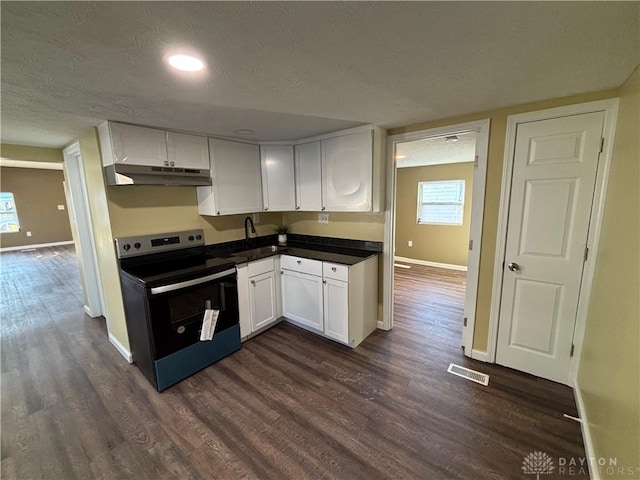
{"x":554,"y":173}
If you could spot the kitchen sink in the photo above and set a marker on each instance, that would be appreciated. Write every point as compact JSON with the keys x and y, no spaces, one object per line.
{"x":258,"y":252}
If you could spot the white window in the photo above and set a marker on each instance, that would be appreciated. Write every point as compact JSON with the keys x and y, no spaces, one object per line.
{"x":8,"y":214}
{"x":441,"y":203}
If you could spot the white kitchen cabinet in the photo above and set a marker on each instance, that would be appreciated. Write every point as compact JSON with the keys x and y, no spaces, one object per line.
{"x":278,"y":178}
{"x":302,"y":293}
{"x":262,"y":299}
{"x":133,"y":145}
{"x":308,"y":169}
{"x":347,"y":172}
{"x":336,"y":309}
{"x":236,"y":179}
{"x":187,"y":151}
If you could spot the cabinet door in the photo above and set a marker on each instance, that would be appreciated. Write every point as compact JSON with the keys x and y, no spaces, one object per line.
{"x":336,"y":310}
{"x":262,"y":298}
{"x":302,"y":299}
{"x":235,"y":174}
{"x":347,"y":172}
{"x":278,"y":181}
{"x":138,"y":145}
{"x":308,"y":163}
{"x":187,"y":151}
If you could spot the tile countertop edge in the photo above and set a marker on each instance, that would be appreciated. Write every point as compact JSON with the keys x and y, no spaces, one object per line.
{"x":326,"y":249}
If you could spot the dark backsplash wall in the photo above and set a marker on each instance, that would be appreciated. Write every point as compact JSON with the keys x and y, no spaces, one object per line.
{"x":37,"y":195}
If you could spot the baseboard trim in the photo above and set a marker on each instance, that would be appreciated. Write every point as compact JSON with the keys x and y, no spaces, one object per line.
{"x":37,"y":245}
{"x":381,"y":325}
{"x":88,"y":311}
{"x":594,"y":474}
{"x":123,"y":351}
{"x":449,"y":266}
{"x":479,"y":355}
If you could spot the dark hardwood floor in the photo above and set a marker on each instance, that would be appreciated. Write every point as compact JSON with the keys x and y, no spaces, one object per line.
{"x":288,"y":405}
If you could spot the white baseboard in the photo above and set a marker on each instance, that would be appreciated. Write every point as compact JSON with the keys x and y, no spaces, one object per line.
{"x":88,"y":311}
{"x":37,"y":245}
{"x":594,"y":474}
{"x":462,"y":268}
{"x":123,"y":351}
{"x":381,"y":325}
{"x":479,"y":355}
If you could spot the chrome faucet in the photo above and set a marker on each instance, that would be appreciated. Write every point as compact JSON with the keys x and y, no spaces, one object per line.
{"x":246,"y":230}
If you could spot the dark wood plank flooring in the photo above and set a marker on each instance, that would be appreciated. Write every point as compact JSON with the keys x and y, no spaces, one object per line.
{"x":288,"y":405}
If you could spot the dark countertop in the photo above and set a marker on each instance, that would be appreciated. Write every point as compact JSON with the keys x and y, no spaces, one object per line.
{"x":341,"y":252}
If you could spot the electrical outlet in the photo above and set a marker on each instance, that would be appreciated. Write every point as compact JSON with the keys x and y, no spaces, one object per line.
{"x":28,"y":234}
{"x":60,"y":207}
{"x":410,"y":243}
{"x":323,"y":218}
{"x":256,"y":218}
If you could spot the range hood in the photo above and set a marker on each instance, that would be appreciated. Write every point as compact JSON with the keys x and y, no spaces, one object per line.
{"x":120,"y":174}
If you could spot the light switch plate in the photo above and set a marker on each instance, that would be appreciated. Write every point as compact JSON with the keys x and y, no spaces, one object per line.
{"x":410,"y":243}
{"x":323,"y":218}
{"x":60,"y":207}
{"x":28,"y":234}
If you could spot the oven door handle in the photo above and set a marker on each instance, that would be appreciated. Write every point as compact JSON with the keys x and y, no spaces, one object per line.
{"x":189,"y":283}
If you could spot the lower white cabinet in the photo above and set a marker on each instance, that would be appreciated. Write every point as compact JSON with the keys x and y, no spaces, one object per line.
{"x":259,"y":295}
{"x":302,"y":299}
{"x":336,"y":309}
{"x":262,"y":300}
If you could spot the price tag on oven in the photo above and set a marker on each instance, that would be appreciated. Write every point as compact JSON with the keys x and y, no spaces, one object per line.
{"x":209,"y":324}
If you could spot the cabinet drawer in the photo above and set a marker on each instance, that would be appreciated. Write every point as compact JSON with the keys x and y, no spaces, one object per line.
{"x":335,"y":271}
{"x":261,"y":266}
{"x":303,"y":265}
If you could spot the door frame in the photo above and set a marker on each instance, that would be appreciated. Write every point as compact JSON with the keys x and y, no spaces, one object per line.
{"x":86,"y":250}
{"x":610,"y":109}
{"x":481,"y":128}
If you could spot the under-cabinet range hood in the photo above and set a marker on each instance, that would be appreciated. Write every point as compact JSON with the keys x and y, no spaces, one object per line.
{"x":121,"y":174}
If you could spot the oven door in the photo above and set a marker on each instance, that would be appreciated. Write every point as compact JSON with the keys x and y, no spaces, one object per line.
{"x":177,"y":310}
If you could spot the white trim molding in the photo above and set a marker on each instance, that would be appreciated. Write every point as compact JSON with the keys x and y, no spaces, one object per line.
{"x":481,"y":128}
{"x":479,"y":355}
{"x":123,"y":351}
{"x":35,"y":246}
{"x":8,"y":162}
{"x":610,"y":109}
{"x":449,"y":266}
{"x":594,"y":474}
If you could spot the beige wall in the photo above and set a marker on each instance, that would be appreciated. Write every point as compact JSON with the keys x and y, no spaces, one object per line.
{"x":609,"y":376}
{"x":432,"y":243}
{"x":37,"y":195}
{"x":107,"y":263}
{"x":357,"y":226}
{"x":495,"y":159}
{"x":33,"y":154}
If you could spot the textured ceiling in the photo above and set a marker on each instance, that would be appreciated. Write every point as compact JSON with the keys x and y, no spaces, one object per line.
{"x":436,"y":151}
{"x":293,"y":69}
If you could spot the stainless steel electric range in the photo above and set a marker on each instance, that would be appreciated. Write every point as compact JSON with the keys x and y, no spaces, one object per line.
{"x":167,"y":284}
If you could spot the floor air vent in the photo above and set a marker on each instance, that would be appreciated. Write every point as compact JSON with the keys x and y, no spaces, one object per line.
{"x":481,"y":378}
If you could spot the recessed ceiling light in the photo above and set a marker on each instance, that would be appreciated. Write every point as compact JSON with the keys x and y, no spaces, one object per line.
{"x":186,"y":63}
{"x":398,"y":157}
{"x":451,"y":139}
{"x":243,"y":131}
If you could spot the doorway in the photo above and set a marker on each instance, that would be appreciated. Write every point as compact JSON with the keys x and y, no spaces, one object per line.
{"x":79,"y":214}
{"x":400,"y":148}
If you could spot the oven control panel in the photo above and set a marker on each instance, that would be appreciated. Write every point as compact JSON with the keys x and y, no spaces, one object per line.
{"x":160,"y":242}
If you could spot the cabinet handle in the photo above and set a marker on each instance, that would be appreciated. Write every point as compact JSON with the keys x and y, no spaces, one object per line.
{"x":281,"y":272}
{"x":324,"y":281}
{"x":297,"y":207}
{"x":333,"y":269}
{"x":166,"y":163}
{"x":217,"y":213}
{"x":253,"y":282}
{"x":299,"y":262}
{"x":173,"y":164}
{"x":323,"y":208}
{"x":266,"y":208}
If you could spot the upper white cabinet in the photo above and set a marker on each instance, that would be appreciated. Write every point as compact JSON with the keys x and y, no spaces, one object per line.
{"x":308,"y":163}
{"x":187,"y":151}
{"x":347,"y":172}
{"x":236,"y":179}
{"x":278,"y":179}
{"x":133,"y":145}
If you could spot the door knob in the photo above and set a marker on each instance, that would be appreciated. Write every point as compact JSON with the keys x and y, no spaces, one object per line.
{"x":514,"y":267}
